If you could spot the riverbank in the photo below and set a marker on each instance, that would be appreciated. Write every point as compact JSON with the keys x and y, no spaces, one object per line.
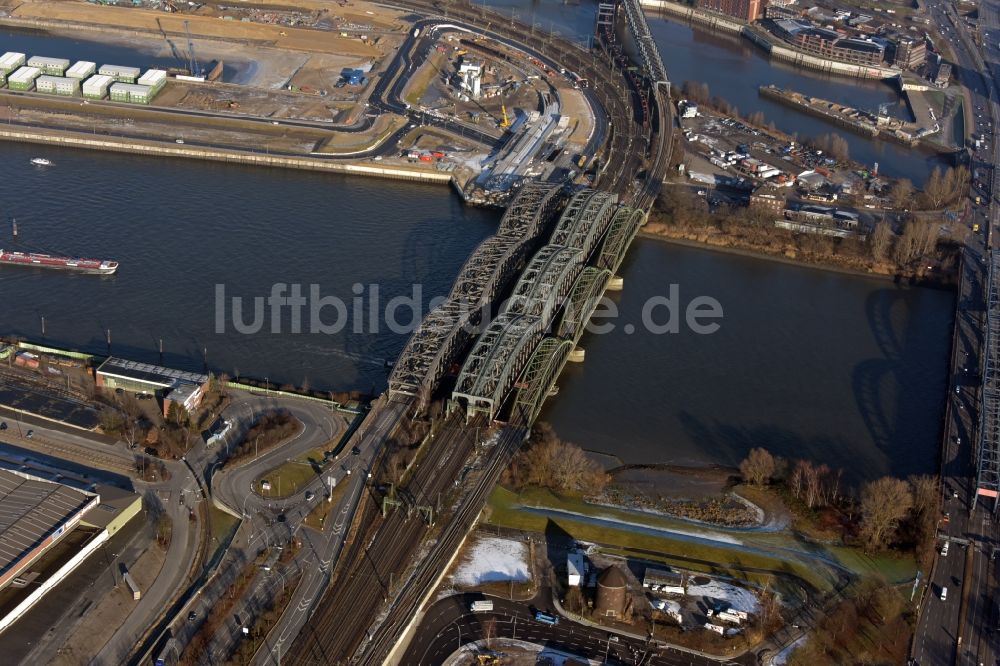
{"x":730,"y":244}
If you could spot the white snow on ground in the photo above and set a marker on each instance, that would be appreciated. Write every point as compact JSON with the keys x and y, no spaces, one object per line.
{"x":737,"y":597}
{"x":667,"y":605}
{"x":782,"y":657}
{"x":493,"y":559}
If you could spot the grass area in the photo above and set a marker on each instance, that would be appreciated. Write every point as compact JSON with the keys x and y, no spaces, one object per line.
{"x":220,"y":525}
{"x":417,"y":86}
{"x":294,"y":474}
{"x":721,"y":559}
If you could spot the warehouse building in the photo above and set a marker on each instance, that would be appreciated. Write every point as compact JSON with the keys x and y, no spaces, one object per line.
{"x":155,"y":79}
{"x":34,"y":515}
{"x":131,"y":92}
{"x":122,"y":73}
{"x":60,"y":85}
{"x":96,"y":87}
{"x":81,"y":70}
{"x":52,"y":66}
{"x":23,"y":78}
{"x":184,"y":394}
{"x":143,"y":377}
{"x":10,"y":61}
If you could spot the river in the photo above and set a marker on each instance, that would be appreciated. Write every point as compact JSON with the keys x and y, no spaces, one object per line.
{"x":835,"y":367}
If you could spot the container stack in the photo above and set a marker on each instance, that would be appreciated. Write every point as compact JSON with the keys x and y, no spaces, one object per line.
{"x":121,"y":73}
{"x":82,"y":70}
{"x":96,"y":87}
{"x":131,"y":92}
{"x":23,"y":78}
{"x":155,"y":79}
{"x":10,"y":61}
{"x":60,"y":85}
{"x":50,"y":66}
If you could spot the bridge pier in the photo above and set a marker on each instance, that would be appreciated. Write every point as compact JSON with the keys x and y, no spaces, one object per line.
{"x":577,"y":355}
{"x":616,"y":283}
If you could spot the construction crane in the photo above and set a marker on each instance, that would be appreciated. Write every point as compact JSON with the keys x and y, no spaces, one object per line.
{"x":192,"y":63}
{"x":505,"y":123}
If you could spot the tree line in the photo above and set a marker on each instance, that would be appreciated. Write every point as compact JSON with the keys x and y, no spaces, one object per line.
{"x":546,"y":461}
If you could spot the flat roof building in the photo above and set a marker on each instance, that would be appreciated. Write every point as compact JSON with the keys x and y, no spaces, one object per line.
{"x":96,"y":87}
{"x":744,"y":10}
{"x":34,"y":515}
{"x":53,"y":66}
{"x":10,"y":61}
{"x":143,"y":377}
{"x":23,"y":78}
{"x":131,"y":92}
{"x":122,"y":73}
{"x":154,"y":78}
{"x":81,"y":70}
{"x":60,"y":85}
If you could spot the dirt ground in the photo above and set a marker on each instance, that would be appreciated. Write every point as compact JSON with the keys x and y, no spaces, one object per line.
{"x":297,"y":39}
{"x":100,"y":622}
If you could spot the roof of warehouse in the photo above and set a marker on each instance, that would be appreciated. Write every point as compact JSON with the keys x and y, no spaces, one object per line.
{"x":146,"y":372}
{"x":30,"y":510}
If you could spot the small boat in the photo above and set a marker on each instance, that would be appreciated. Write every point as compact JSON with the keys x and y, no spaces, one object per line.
{"x":41,"y":161}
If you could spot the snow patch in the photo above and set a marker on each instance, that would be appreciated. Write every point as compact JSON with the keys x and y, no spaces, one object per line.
{"x":738,"y":598}
{"x":492,"y":559}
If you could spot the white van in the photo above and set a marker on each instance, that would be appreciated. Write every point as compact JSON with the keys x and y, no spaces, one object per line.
{"x":944,"y":549}
{"x":944,"y":594}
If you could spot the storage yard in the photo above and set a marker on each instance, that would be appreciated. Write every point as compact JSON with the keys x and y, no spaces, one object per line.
{"x":58,"y":76}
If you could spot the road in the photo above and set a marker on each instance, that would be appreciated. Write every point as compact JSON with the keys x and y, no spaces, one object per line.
{"x":957,"y":629}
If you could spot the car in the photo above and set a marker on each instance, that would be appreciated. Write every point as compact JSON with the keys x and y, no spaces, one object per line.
{"x":178,"y":140}
{"x":944,"y":594}
{"x":30,"y":434}
{"x":612,"y":638}
{"x":946,"y":518}
{"x":3,"y":425}
{"x":192,"y":616}
{"x":944,"y":549}
{"x":355,"y":451}
{"x":310,"y":495}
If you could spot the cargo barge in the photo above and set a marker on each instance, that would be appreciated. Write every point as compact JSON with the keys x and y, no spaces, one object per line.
{"x":77,"y":265}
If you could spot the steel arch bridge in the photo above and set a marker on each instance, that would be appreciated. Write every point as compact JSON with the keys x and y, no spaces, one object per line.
{"x":583,"y":300}
{"x":495,"y":362}
{"x":585,"y":220}
{"x":544,"y":367}
{"x":622,"y":231}
{"x":446,"y":330}
{"x":546,"y":282}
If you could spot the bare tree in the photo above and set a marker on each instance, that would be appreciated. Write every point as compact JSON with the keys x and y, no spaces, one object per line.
{"x":758,"y":467}
{"x":880,"y":240}
{"x":797,"y":479}
{"x":884,"y":503}
{"x":902,"y":193}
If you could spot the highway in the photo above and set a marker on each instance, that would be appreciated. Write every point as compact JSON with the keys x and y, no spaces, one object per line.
{"x":957,"y":629}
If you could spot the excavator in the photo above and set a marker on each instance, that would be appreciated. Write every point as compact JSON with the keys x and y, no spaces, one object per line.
{"x":505,"y":123}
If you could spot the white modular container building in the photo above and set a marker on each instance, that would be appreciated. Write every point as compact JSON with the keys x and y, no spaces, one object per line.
{"x":122,"y":73}
{"x":23,"y":78}
{"x":10,"y":61}
{"x":154,"y":78}
{"x":53,"y":66}
{"x":96,"y":87}
{"x":131,"y":92}
{"x":81,"y":70}
{"x":60,"y":85}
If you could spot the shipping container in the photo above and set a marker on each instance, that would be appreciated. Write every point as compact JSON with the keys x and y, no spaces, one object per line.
{"x":81,"y":70}
{"x":60,"y":85}
{"x":10,"y":61}
{"x":122,"y":73}
{"x":23,"y":78}
{"x":96,"y":87}
{"x":52,"y":66}
{"x":136,"y":592}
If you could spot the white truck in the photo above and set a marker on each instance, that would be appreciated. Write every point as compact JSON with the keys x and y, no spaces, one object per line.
{"x":481,"y":606}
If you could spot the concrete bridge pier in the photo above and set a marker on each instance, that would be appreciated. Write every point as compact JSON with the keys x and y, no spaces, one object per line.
{"x":616,"y":283}
{"x":577,"y":355}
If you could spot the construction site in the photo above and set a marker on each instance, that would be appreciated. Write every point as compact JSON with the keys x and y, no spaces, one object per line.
{"x":316,"y":83}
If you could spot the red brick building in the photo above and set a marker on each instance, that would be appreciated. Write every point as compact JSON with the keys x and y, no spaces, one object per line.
{"x":745,"y":10}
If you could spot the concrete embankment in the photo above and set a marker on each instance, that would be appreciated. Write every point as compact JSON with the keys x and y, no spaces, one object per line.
{"x":152,"y":148}
{"x":771,"y":45}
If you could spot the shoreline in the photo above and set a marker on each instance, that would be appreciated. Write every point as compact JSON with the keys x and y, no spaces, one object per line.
{"x":828,"y":267}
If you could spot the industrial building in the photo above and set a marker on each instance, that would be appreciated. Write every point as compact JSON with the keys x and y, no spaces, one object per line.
{"x":909,"y":52}
{"x":131,"y":92}
{"x":23,"y":78}
{"x":829,"y":44}
{"x":81,"y":70}
{"x":51,"y":66}
{"x":186,"y":394}
{"x":155,"y":79}
{"x":10,"y":61}
{"x":47,"y":530}
{"x":60,"y":85}
{"x":667,"y":582}
{"x":121,"y":73}
{"x":34,"y":515}
{"x":96,"y":87}
{"x":471,"y":78}
{"x":146,"y":378}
